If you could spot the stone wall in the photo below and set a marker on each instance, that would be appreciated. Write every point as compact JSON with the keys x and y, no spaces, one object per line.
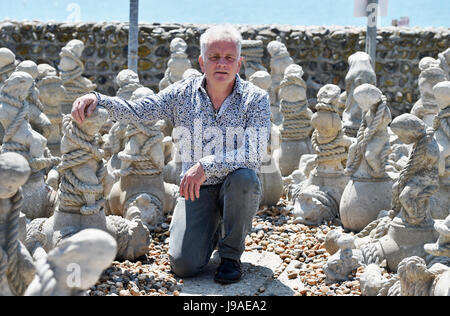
{"x":321,"y":51}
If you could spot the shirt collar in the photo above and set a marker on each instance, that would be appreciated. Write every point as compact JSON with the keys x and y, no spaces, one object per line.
{"x":201,"y":84}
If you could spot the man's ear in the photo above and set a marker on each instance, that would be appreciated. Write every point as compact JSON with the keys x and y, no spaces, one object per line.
{"x":200,"y":61}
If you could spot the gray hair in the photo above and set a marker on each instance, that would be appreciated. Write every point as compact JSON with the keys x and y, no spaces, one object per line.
{"x":221,"y":32}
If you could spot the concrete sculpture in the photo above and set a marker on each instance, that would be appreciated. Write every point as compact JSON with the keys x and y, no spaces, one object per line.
{"x":71,"y":69}
{"x":16,"y":264}
{"x":431,"y":74}
{"x":441,"y":125}
{"x":316,"y":200}
{"x":360,"y":72}
{"x":366,"y":164}
{"x":81,"y":196}
{"x":74,"y":266}
{"x":177,"y":65}
{"x":295,"y":128}
{"x":21,"y":138}
{"x":252,"y":52}
{"x":279,"y":60}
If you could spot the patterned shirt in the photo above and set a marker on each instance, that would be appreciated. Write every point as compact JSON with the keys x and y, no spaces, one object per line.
{"x":223,"y":141}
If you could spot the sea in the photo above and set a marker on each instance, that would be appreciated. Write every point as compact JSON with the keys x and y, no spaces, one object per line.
{"x":422,"y":13}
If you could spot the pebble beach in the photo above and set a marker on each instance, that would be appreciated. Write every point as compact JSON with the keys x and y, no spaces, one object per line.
{"x":301,"y":249}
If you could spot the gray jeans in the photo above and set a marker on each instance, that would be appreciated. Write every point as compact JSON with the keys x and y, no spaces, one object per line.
{"x":195,"y":231}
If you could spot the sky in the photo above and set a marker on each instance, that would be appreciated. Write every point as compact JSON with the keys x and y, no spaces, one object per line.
{"x":291,"y":12}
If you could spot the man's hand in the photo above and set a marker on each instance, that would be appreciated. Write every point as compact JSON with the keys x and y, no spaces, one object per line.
{"x":191,"y":182}
{"x":83,"y":107}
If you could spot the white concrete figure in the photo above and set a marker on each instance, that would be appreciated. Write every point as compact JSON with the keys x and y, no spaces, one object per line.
{"x":444,"y":62}
{"x":128,"y":82}
{"x":441,"y":125}
{"x":52,"y":93}
{"x":295,"y":129}
{"x":279,"y":61}
{"x":252,"y":52}
{"x":177,"y":65}
{"x":424,"y":277}
{"x":369,"y":189}
{"x":74,"y":266}
{"x":316,"y":200}
{"x":81,"y":196}
{"x":141,"y":187}
{"x":16,"y":265}
{"x":7,"y":64}
{"x":45,"y":70}
{"x":271,"y":179}
{"x":343,"y":262}
{"x":36,"y":116}
{"x":360,"y":72}
{"x":21,"y":138}
{"x":408,"y":226}
{"x":71,"y":69}
{"x":431,"y":74}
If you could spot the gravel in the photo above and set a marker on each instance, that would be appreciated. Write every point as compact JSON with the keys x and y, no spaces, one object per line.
{"x":273,"y":230}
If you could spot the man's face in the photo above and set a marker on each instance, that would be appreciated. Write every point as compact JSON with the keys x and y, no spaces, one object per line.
{"x":222,"y":62}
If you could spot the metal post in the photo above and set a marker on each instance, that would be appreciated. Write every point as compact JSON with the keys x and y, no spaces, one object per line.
{"x":133,"y":36}
{"x":371,"y":34}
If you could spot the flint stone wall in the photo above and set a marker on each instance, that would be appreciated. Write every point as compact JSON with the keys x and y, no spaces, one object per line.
{"x":321,"y":51}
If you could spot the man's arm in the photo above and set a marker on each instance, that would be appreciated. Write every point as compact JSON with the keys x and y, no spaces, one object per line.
{"x":253,"y":147}
{"x":150,"y":108}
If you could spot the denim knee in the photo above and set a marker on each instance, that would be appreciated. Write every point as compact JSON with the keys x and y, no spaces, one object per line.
{"x":243,"y":178}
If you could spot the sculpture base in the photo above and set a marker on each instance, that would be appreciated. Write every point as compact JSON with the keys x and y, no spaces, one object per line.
{"x":289,"y":154}
{"x":36,"y":202}
{"x":404,"y":241}
{"x":362,"y":201}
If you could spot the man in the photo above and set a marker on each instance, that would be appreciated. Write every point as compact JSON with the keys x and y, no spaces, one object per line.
{"x":210,"y":113}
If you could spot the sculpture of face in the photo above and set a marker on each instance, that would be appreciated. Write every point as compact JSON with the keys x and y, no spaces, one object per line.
{"x":127,"y":76}
{"x":441,"y":93}
{"x":18,"y":85}
{"x":367,"y":95}
{"x":14,"y":172}
{"x":408,"y":127}
{"x":310,"y":210}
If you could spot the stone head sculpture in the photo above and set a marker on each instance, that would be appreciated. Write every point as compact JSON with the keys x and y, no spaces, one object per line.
{"x":367,"y":95}
{"x":92,"y":124}
{"x":441,"y":93}
{"x":7,"y":63}
{"x":51,"y":90}
{"x":428,"y":78}
{"x":126,"y":77}
{"x":18,"y":85}
{"x":14,"y":172}
{"x":88,"y":252}
{"x":70,"y":56}
{"x":178,"y":63}
{"x":329,"y":94}
{"x":29,"y":67}
{"x":314,"y":206}
{"x":261,"y":79}
{"x":293,"y":87}
{"x":46,"y":70}
{"x":141,"y":93}
{"x":76,"y":47}
{"x":409,"y":128}
{"x":178,"y":45}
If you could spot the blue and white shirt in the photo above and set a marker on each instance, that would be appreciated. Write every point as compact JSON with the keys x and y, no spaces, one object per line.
{"x":222,"y":141}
